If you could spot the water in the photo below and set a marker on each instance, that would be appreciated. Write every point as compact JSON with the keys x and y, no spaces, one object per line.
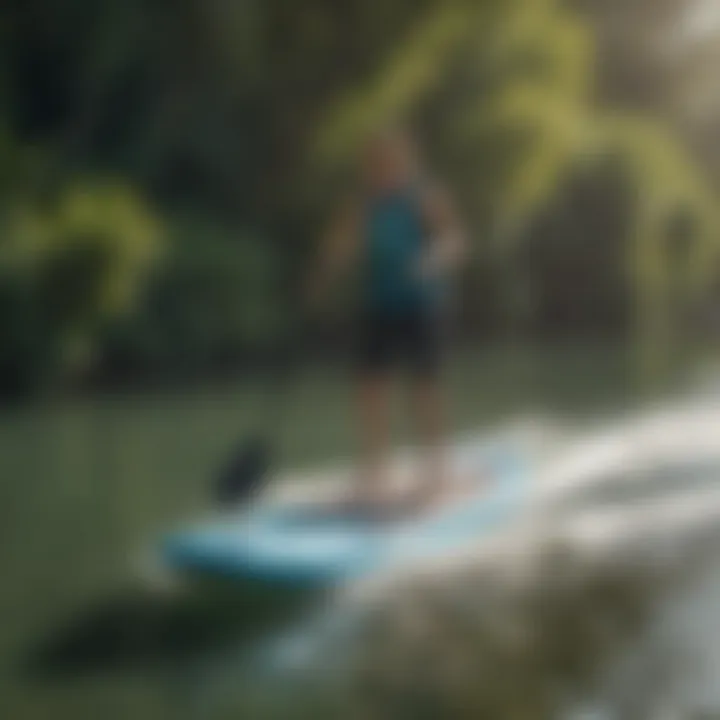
{"x":86,"y":486}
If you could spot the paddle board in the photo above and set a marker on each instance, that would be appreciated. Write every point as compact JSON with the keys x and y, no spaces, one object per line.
{"x":306,"y":544}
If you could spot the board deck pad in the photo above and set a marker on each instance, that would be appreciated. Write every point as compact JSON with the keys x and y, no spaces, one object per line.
{"x":304,"y":543}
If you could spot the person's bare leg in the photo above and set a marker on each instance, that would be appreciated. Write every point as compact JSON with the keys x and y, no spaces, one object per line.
{"x":374,"y":417}
{"x":429,"y":414}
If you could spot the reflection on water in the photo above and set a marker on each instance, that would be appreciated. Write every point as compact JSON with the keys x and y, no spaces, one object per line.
{"x":141,"y":632}
{"x":196,"y":648}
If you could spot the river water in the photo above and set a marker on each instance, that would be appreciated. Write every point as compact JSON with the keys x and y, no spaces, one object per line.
{"x":87,"y":487}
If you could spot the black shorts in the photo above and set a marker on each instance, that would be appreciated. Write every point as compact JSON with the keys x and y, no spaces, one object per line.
{"x":410,"y":340}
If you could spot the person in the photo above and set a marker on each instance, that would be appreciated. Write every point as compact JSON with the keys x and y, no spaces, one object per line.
{"x":401,"y":231}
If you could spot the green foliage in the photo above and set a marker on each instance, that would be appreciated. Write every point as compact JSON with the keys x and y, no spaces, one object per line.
{"x":245,"y":115}
{"x":214,"y":301}
{"x":69,"y":264}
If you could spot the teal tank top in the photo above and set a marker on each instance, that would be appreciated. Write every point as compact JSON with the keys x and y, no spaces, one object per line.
{"x":395,"y":239}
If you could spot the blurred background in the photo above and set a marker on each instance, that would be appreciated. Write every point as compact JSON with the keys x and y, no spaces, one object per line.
{"x":164,"y":167}
{"x":165,"y":171}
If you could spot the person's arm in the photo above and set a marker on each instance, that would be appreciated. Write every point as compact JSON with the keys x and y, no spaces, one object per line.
{"x":448,"y":243}
{"x":336,"y":253}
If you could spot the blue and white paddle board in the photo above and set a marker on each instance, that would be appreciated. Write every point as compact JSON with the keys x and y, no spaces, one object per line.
{"x":313,"y":546}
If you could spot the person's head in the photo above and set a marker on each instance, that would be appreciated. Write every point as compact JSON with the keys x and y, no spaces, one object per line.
{"x":390,"y":159}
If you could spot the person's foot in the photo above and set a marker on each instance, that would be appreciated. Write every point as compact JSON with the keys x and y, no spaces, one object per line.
{"x":426,"y":499}
{"x":367,"y":505}
{"x":429,"y":498}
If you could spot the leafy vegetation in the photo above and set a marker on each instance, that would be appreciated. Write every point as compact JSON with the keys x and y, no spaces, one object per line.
{"x":232,"y":126}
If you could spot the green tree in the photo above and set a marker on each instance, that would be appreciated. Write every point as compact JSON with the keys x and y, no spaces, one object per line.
{"x":247,"y":114}
{"x":68,"y":264}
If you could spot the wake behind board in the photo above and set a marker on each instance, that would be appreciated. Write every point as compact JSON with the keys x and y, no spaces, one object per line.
{"x":308,"y":545}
